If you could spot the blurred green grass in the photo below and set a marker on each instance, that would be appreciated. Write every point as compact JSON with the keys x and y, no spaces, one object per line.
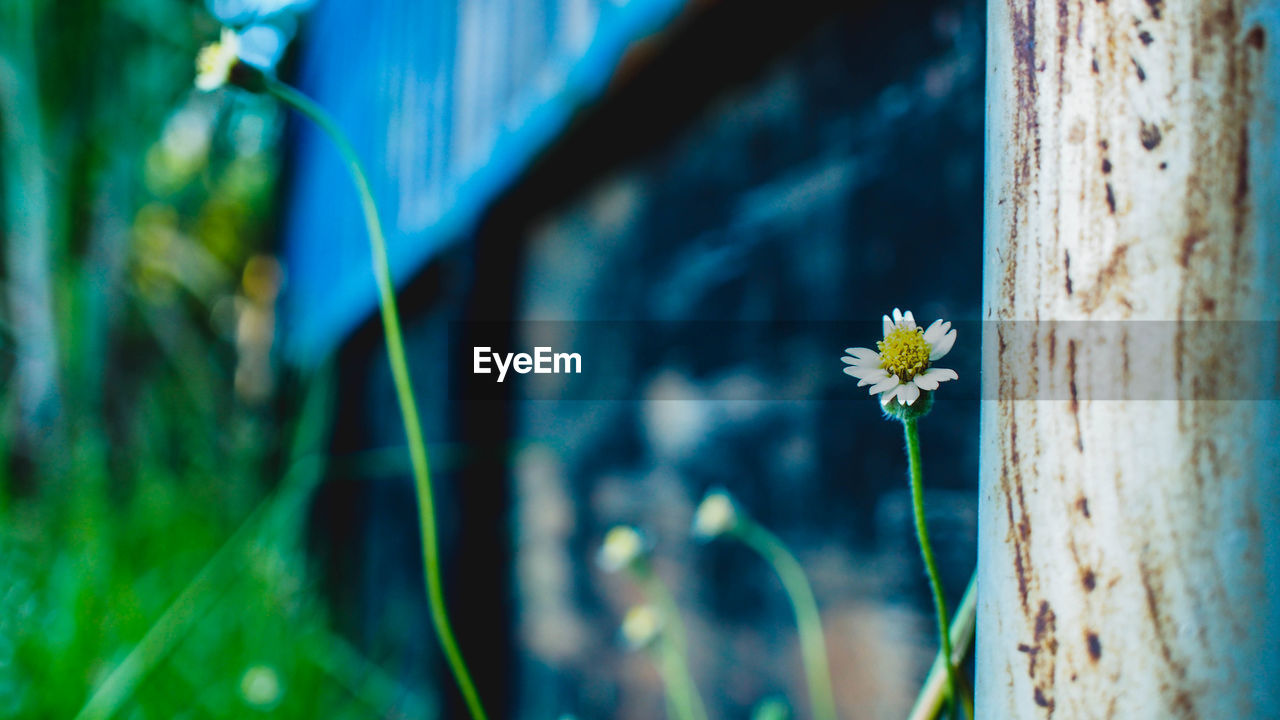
{"x":153,"y":480}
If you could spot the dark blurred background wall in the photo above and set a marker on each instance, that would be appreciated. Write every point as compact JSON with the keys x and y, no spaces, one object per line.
{"x":777,"y":177}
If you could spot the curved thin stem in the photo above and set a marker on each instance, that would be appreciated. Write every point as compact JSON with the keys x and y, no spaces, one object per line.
{"x":673,"y":657}
{"x":934,"y":691}
{"x":674,"y":710}
{"x":926,"y":550}
{"x":404,"y":390}
{"x":660,"y":596}
{"x":683,"y":701}
{"x":813,"y":647}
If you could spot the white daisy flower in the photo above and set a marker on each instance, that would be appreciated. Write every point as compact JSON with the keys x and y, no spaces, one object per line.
{"x":715,"y":516}
{"x":904,"y":366}
{"x":215,"y":61}
{"x":623,"y":546}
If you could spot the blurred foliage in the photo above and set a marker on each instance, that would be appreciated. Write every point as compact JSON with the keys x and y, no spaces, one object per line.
{"x":771,"y":709}
{"x":135,"y":221}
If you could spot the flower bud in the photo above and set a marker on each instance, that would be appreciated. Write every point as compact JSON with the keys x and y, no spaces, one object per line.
{"x":622,"y":548}
{"x":716,"y":515}
{"x":641,"y":627}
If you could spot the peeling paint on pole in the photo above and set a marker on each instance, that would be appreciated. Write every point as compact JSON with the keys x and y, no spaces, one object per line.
{"x":1128,"y":548}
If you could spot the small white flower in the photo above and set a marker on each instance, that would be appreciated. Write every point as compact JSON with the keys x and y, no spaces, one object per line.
{"x":215,"y":60}
{"x":623,"y":546}
{"x":641,"y":626}
{"x":904,"y":366}
{"x":715,"y":516}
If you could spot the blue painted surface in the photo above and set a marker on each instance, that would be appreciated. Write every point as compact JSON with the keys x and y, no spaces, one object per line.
{"x":447,"y":101}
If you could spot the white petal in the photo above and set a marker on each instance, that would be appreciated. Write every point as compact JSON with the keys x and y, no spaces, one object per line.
{"x":861,"y":371}
{"x":935,"y":332}
{"x":860,"y":352}
{"x":943,"y":346}
{"x":909,"y":393}
{"x":887,"y":398}
{"x":873,"y":376}
{"x":910,"y":320}
{"x":935,"y":376}
{"x":861,"y":364}
{"x":886,"y":325}
{"x":888,"y":383}
{"x":897,"y":316}
{"x":929,"y":379}
{"x":924,"y":382}
{"x":941,"y":374}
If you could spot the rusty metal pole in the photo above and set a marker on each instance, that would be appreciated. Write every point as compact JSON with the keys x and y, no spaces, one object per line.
{"x":1130,"y":523}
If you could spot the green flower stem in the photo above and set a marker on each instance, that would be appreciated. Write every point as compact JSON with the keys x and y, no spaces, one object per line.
{"x":813,"y":647}
{"x":404,"y":390}
{"x":674,"y":710}
{"x":683,"y":702}
{"x":909,"y":426}
{"x":673,"y":655}
{"x":660,"y":596}
{"x":934,"y":691}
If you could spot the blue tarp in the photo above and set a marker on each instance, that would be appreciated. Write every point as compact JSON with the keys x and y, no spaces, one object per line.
{"x":447,"y":101}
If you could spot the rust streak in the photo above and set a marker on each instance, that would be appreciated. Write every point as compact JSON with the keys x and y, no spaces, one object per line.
{"x":1064,"y":37}
{"x":1182,"y":701}
{"x":1149,"y":135}
{"x":1075,"y":398}
{"x":1109,"y":278}
{"x":1188,"y":247}
{"x":1095,"y":645}
{"x":1089,"y":580}
{"x":1044,"y":659}
{"x":1019,"y":524}
{"x":1240,"y":201}
{"x":1256,"y":38}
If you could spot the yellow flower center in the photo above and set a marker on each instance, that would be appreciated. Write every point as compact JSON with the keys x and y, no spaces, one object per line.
{"x":904,"y":353}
